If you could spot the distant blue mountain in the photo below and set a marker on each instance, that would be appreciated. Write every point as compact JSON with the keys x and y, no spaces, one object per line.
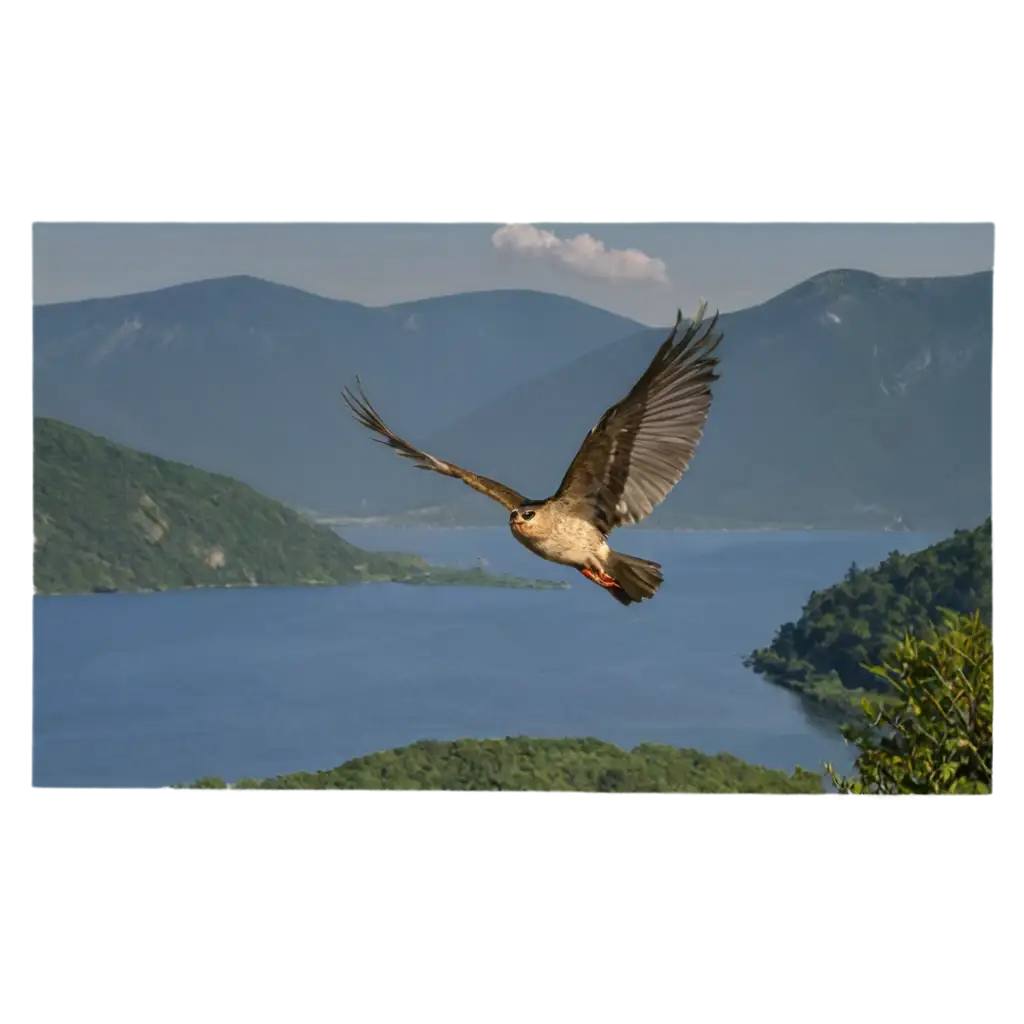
{"x":243,"y":377}
{"x":847,"y":401}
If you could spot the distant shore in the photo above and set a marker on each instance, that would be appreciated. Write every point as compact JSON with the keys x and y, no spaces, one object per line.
{"x":437,"y":577}
{"x":373,"y":523}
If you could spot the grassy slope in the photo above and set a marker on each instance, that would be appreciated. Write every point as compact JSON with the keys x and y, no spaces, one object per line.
{"x":524,"y":763}
{"x":112,"y":518}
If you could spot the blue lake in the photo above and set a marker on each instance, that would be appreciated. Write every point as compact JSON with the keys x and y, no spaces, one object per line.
{"x":153,"y":689}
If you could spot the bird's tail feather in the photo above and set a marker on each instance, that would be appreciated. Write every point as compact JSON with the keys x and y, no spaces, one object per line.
{"x":637,"y":578}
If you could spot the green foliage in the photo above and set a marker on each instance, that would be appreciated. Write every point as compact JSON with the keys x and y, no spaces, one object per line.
{"x":859,"y":621}
{"x":935,"y":736}
{"x":111,"y":518}
{"x":524,"y":763}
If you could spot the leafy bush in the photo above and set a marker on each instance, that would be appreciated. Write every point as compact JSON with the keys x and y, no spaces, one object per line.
{"x":935,"y":736}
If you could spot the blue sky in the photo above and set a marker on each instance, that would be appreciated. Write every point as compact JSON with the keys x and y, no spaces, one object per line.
{"x":638,"y":270}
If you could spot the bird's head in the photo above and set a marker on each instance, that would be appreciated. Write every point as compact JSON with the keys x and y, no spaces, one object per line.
{"x":523,"y":518}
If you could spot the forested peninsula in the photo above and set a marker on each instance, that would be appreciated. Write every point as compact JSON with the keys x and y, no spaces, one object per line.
{"x":861,"y":619}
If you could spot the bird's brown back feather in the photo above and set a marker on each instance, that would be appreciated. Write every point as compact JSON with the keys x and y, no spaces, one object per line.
{"x":642,"y":445}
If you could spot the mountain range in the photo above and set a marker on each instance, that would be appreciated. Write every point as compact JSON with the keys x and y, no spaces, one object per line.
{"x":848,"y":401}
{"x":243,"y":377}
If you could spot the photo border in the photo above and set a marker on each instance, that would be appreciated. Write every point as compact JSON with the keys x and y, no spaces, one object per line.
{"x":160,"y":909}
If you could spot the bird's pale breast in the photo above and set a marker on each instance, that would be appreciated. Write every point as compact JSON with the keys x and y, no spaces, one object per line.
{"x":563,"y":538}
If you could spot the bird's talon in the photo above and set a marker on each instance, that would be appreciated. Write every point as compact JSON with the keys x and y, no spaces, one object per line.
{"x":602,"y":579}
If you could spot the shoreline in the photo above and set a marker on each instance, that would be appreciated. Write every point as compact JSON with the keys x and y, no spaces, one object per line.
{"x":501,"y":581}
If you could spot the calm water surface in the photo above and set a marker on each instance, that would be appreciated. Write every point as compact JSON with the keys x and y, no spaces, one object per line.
{"x":152,"y":689}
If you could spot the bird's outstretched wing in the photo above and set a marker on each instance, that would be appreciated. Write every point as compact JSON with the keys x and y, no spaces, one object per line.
{"x":642,"y":445}
{"x":365,"y":413}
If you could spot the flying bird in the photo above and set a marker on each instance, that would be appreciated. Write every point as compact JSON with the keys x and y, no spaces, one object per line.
{"x":637,"y":452}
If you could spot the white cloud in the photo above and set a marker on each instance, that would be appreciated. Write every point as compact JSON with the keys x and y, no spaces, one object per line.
{"x":584,"y":254}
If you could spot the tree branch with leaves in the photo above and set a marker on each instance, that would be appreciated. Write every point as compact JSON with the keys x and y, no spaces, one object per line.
{"x":935,"y":735}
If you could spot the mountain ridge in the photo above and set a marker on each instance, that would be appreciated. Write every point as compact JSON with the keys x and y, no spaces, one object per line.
{"x":244,"y":378}
{"x":882,"y":455}
{"x":838,"y":396}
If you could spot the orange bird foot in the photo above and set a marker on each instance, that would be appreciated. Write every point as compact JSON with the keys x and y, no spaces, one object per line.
{"x":602,"y":579}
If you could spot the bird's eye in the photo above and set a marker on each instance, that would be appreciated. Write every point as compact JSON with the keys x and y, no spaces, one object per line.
{"x":528,"y":514}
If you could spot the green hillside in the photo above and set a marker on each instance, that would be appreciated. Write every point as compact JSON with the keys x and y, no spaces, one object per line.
{"x":111,"y":518}
{"x":860,"y":619}
{"x":523,"y":763}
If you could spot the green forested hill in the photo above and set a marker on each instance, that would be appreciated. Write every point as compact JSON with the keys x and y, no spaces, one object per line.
{"x":525,"y":763}
{"x":860,"y":619}
{"x":111,"y":518}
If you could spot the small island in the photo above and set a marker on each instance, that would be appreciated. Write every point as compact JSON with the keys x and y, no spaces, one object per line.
{"x":110,"y":518}
{"x":861,"y":619}
{"x":529,"y":764}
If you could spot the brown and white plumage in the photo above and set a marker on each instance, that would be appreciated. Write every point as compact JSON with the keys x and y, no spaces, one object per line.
{"x":365,"y":413}
{"x":642,"y":445}
{"x":635,"y":454}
